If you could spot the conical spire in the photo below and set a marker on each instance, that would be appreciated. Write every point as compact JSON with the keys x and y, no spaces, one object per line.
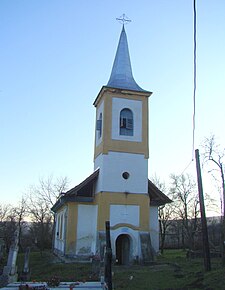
{"x":121,"y":75}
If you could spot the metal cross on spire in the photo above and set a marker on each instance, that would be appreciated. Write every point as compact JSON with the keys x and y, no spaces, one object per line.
{"x":123,"y":19}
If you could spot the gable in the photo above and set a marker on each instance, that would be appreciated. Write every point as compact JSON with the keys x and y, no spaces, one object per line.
{"x":83,"y":192}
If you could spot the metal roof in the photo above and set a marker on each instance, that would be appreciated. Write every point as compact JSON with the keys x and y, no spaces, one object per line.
{"x":121,"y":75}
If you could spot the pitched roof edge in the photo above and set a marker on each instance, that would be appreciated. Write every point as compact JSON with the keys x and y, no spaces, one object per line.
{"x":90,"y":178}
{"x":157,"y":197}
{"x":71,"y":195}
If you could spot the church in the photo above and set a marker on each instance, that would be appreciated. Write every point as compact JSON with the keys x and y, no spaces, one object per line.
{"x":118,"y":190}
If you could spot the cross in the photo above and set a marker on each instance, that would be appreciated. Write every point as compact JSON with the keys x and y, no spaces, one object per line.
{"x":123,"y":19}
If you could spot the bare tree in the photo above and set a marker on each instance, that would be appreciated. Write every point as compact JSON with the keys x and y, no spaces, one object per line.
{"x":165,"y":213}
{"x":7,"y":225}
{"x":5,"y":210}
{"x":165,"y":221}
{"x":41,"y":217}
{"x":20,"y":213}
{"x":41,"y":198}
{"x":185,"y":197}
{"x":215,"y":155}
{"x":12,"y":218}
{"x":49,"y":189}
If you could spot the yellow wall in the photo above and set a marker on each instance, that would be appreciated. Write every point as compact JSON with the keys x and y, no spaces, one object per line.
{"x":71,"y":231}
{"x":107,"y":143}
{"x":105,"y":199}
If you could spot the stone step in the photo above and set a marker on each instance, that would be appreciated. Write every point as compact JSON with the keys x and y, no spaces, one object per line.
{"x":62,"y":286}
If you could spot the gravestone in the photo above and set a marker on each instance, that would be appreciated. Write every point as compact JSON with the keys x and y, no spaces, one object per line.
{"x":26,"y":268}
{"x":25,"y":276}
{"x":9,"y":274}
{"x":1,"y":249}
{"x":101,"y":244}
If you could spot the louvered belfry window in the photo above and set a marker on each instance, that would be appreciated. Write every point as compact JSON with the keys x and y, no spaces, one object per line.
{"x":126,"y":122}
{"x":99,"y":126}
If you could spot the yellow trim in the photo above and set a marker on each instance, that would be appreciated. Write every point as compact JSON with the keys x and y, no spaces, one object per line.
{"x":145,"y":130}
{"x":105,"y":199}
{"x":98,"y":150}
{"x":107,"y":143}
{"x":107,"y":126}
{"x":122,"y":225}
{"x":119,"y":91}
{"x":71,"y":230}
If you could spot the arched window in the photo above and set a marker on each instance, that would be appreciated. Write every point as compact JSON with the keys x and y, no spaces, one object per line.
{"x":126,"y":122}
{"x":99,"y":126}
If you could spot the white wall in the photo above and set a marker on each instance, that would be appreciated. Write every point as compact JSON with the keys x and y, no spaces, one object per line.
{"x":113,"y":164}
{"x":86,"y":229}
{"x":124,"y":214}
{"x":136,"y":107}
{"x":134,"y":239}
{"x":154,"y":227}
{"x":60,"y":230}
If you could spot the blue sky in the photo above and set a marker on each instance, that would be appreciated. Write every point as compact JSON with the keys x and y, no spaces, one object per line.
{"x":55,"y":55}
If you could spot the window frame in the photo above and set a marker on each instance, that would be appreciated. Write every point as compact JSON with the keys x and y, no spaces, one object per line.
{"x":126,"y":122}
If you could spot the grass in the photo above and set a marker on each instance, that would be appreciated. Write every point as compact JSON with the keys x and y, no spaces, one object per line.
{"x":171,"y":271}
{"x":44,"y":266}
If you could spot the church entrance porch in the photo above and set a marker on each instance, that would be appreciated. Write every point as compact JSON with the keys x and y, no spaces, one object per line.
{"x":123,"y":249}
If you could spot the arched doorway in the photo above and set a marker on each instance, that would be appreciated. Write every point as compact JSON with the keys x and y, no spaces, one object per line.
{"x":123,"y":249}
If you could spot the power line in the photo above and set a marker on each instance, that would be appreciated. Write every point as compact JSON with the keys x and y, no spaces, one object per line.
{"x":186,"y":167}
{"x":194,"y":85}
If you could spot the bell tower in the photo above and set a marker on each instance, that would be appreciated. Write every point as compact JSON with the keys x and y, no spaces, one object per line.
{"x":121,"y":136}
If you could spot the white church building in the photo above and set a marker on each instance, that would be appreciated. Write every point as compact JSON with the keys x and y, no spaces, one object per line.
{"x":118,"y":190}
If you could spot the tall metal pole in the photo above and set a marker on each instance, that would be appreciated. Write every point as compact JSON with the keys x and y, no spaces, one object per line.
{"x":205,"y":240}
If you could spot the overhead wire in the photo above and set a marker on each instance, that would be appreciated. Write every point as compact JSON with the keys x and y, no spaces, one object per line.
{"x":194,"y":83}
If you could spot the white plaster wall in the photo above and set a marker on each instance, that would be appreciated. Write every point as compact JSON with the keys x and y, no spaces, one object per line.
{"x":154,"y":227}
{"x":124,"y":214}
{"x":113,"y":164}
{"x":60,"y":238}
{"x":86,"y":229}
{"x":136,"y":107}
{"x":134,"y":238}
{"x":98,"y":139}
{"x":56,"y":244}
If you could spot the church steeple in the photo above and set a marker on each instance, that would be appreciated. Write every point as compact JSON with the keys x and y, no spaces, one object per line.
{"x":121,"y":75}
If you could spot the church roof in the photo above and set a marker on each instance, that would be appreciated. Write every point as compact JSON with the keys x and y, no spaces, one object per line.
{"x":84,"y":188}
{"x":84,"y":192}
{"x":157,"y":197}
{"x":121,"y":75}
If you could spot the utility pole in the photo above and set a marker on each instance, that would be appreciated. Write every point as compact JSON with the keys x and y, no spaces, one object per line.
{"x":205,"y":240}
{"x":223,"y":216}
